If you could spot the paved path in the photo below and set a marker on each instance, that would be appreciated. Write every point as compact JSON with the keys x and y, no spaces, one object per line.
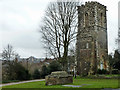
{"x":21,"y":82}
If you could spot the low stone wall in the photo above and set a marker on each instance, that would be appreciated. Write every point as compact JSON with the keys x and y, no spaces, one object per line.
{"x":58,"y":78}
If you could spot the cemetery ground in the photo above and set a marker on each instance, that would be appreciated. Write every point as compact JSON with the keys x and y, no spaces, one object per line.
{"x":83,"y":82}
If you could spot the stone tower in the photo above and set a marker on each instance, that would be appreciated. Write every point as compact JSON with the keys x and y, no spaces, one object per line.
{"x":91,"y":46}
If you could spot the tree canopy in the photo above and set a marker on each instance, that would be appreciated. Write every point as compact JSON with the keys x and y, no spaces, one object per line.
{"x":59,"y":28}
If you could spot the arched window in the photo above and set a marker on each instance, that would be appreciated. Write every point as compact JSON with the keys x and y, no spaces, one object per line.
{"x":86,"y":19}
{"x":101,"y":65}
{"x":87,"y":45}
{"x":101,"y":19}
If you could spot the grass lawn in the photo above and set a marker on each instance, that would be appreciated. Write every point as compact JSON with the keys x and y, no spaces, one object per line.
{"x":94,"y":83}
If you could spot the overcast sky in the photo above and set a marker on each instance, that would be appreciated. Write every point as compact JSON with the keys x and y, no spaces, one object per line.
{"x":20,"y":20}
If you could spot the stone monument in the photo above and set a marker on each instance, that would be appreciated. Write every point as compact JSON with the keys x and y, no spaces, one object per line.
{"x":58,"y":78}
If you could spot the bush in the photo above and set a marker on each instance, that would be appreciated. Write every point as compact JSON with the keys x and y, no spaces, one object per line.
{"x":45,"y":71}
{"x":115,"y":71}
{"x":21,"y":72}
{"x":54,"y":66}
{"x":36,"y":74}
{"x":103,"y":71}
{"x":16,"y":72}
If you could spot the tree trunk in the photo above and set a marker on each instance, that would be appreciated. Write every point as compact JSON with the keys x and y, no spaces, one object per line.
{"x":65,"y":56}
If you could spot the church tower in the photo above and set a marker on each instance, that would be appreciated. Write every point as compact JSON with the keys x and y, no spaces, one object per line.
{"x":91,"y":46}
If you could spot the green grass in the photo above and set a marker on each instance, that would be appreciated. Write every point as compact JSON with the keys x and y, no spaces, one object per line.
{"x":113,"y":75}
{"x":94,"y":83}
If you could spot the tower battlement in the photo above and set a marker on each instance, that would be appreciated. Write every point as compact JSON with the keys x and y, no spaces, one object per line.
{"x":92,"y":3}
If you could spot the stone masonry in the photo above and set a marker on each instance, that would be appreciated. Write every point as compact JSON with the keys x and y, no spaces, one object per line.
{"x":58,"y":77}
{"x":91,"y":46}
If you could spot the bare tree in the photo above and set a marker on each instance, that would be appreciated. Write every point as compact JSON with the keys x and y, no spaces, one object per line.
{"x":8,"y":53}
{"x":59,"y":28}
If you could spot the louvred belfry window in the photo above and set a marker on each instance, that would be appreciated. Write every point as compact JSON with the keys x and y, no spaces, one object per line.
{"x":101,"y":19}
{"x":86,"y":19}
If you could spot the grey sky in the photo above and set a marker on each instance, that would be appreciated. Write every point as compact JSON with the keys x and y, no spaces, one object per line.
{"x":20,"y":20}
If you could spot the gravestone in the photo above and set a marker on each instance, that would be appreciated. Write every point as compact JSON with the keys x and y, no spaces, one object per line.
{"x":58,"y":78}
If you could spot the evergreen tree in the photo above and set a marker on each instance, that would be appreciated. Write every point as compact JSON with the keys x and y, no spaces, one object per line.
{"x":117,"y":60}
{"x":54,"y":66}
{"x":36,"y":74}
{"x":45,"y":71}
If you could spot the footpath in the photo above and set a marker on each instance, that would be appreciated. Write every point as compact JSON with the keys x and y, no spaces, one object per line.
{"x":21,"y":82}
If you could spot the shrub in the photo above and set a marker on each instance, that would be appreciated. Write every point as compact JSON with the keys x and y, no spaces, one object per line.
{"x":45,"y":71}
{"x":115,"y":71}
{"x":15,"y":71}
{"x":103,"y":71}
{"x":21,"y":72}
{"x":36,"y":74}
{"x":54,"y":66}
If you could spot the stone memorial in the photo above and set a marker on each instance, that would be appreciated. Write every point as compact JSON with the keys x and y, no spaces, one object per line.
{"x":58,"y":78}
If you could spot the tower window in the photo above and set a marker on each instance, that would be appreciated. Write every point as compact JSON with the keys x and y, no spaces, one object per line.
{"x":101,"y":19}
{"x":101,"y":65}
{"x":87,"y":45}
{"x":86,"y":19}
